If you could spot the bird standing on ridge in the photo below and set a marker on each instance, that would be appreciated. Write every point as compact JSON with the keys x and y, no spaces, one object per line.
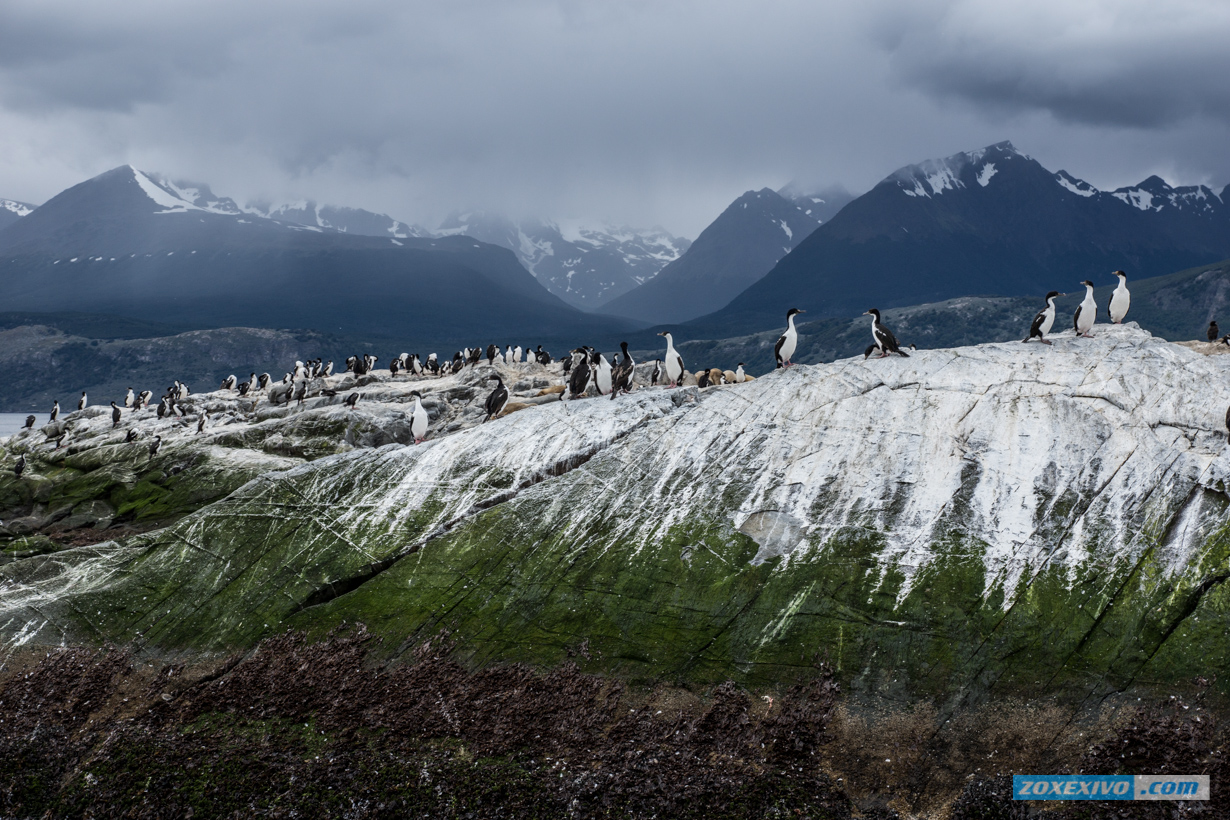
{"x":200,"y":423}
{"x":1212,"y":333}
{"x":129,"y":399}
{"x":882,"y":338}
{"x":672,"y":361}
{"x":351,"y":400}
{"x":497,"y":400}
{"x":82,"y":402}
{"x":621,"y":377}
{"x":1119,"y":300}
{"x":789,"y":340}
{"x":1086,"y":313}
{"x":30,"y":422}
{"x":20,"y":466}
{"x":115,"y":415}
{"x":1044,"y":320}
{"x":418,"y":418}
{"x":154,"y":445}
{"x":55,"y":412}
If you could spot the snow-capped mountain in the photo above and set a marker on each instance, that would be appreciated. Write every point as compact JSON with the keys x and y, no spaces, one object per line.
{"x":135,"y":244}
{"x":988,"y":222}
{"x":11,"y":210}
{"x":736,"y":249}
{"x":585,"y":265}
{"x":347,"y":220}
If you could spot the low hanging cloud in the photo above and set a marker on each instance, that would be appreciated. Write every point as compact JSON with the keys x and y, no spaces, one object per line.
{"x":635,"y":111}
{"x":1125,"y":64}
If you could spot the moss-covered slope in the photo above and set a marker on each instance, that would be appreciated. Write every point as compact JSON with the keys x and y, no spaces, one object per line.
{"x":1000,"y":519}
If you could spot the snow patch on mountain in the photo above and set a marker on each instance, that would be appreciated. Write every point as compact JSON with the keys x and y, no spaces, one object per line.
{"x":935,"y":176}
{"x":1076,"y":186}
{"x":984,"y":176}
{"x":13,"y":206}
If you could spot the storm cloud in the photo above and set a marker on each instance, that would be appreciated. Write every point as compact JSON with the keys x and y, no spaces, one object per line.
{"x":638,"y":112}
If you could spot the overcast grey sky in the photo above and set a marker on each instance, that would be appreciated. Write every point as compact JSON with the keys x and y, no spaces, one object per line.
{"x":655,"y":112}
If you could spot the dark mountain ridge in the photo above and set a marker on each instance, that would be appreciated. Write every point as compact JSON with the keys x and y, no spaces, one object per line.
{"x":993,"y":221}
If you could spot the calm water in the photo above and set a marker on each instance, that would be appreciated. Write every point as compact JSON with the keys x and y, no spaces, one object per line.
{"x":10,"y":423}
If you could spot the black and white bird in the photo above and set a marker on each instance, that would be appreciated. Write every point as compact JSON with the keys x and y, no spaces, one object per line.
{"x":1086,"y":313}
{"x":351,"y":400}
{"x":244,"y":387}
{"x":418,"y":418}
{"x":144,"y":397}
{"x":1120,"y":300}
{"x":492,"y":352}
{"x":1044,"y":320}
{"x":656,"y":375}
{"x":672,"y":361}
{"x":702,"y":378}
{"x":55,"y":411}
{"x":579,"y":377}
{"x":229,"y":382}
{"x":789,"y":340}
{"x":328,"y":371}
{"x":115,"y":415}
{"x":263,"y":381}
{"x":882,"y":338}
{"x":129,"y":399}
{"x":542,"y":357}
{"x":1212,"y":333}
{"x":132,"y":436}
{"x":200,"y":423}
{"x":82,"y":402}
{"x":154,"y":446}
{"x":301,"y":392}
{"x":30,"y":419}
{"x":621,"y":376}
{"x":740,"y":376}
{"x":497,"y":400}
{"x":602,"y":373}
{"x":20,"y":466}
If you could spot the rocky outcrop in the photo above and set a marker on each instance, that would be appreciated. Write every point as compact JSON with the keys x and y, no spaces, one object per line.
{"x":1002,"y":519}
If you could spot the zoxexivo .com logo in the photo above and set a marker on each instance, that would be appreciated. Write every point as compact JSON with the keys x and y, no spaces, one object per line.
{"x":1110,"y":787}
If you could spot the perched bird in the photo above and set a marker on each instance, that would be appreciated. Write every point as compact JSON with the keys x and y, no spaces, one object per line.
{"x":1212,"y":333}
{"x":492,"y":352}
{"x":394,"y":366}
{"x":508,"y":355}
{"x":55,"y":411}
{"x":1086,"y":312}
{"x":871,"y":348}
{"x":351,"y":400}
{"x":672,"y":361}
{"x":740,"y":376}
{"x":300,"y":392}
{"x":30,"y":422}
{"x":20,"y":466}
{"x":542,"y":357}
{"x":328,"y":371}
{"x":132,"y":436}
{"x":517,"y":354}
{"x":244,"y":387}
{"x":578,"y":380}
{"x":418,"y":418}
{"x":882,"y":337}
{"x":602,"y":373}
{"x":263,"y":381}
{"x":625,"y":369}
{"x":115,"y":415}
{"x":82,"y":402}
{"x":497,"y":400}
{"x":154,"y":446}
{"x":129,"y":399}
{"x":657,"y":374}
{"x":229,"y":382}
{"x":200,"y":423}
{"x":1120,"y":299}
{"x":789,"y":340}
{"x":702,"y":378}
{"x":1042,"y":322}
{"x":143,"y":399}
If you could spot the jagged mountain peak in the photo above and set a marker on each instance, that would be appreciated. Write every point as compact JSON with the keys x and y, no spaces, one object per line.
{"x":933,"y":177}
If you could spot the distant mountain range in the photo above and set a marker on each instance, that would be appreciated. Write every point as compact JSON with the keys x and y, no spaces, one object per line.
{"x":993,"y":221}
{"x":586,"y":266}
{"x":347,"y":220}
{"x":137,"y":245}
{"x":737,"y":249}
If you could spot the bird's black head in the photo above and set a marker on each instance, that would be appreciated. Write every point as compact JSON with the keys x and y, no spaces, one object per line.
{"x":414,"y":394}
{"x":740,"y":364}
{"x":1213,"y":323}
{"x":1053,"y":294}
{"x":623,"y":346}
{"x":1120,"y":274}
{"x":496,"y":377}
{"x":873,"y":312}
{"x":664,"y":333}
{"x":1087,"y":283}
{"x":793,"y":311}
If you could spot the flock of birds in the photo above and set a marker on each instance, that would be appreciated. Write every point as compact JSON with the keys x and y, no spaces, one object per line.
{"x":584,"y":368}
